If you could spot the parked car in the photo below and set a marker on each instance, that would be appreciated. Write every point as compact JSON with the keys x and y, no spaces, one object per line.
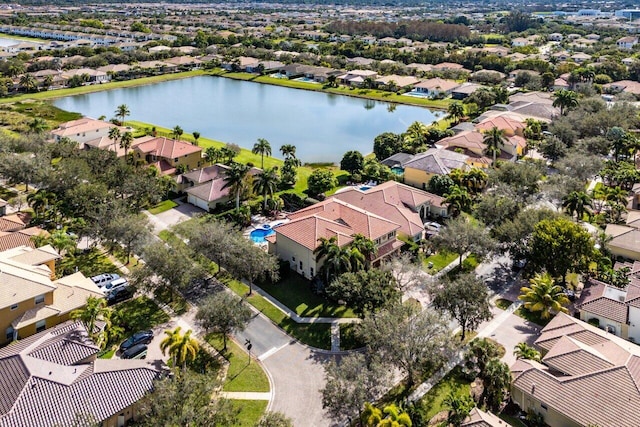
{"x":120,"y":294}
{"x":142,"y":337}
{"x":432,"y":226}
{"x":136,"y":352}
{"x":570,"y":294}
{"x":104,"y":279}
{"x":116,"y":284}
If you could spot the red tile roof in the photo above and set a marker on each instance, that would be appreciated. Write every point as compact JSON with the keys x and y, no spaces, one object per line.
{"x":167,"y":148}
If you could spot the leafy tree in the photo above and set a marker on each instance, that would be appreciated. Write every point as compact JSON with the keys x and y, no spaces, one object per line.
{"x":494,"y":208}
{"x":577,"y":202}
{"x":524,"y":351}
{"x":274,"y":419}
{"x":440,"y":184}
{"x":466,"y":300}
{"x":405,"y":270}
{"x":132,"y":230}
{"x":235,"y":179}
{"x":565,"y":100}
{"x":461,"y":235}
{"x":350,"y":384}
{"x":122,"y":112}
{"x":181,"y":347}
{"x":544,"y":295}
{"x":376,"y":171}
{"x":263,"y":148}
{"x":553,"y":148}
{"x":514,"y":234}
{"x":186,"y":399}
{"x":413,"y":340}
{"x":320,"y":180}
{"x":223,"y":313}
{"x":352,"y":162}
{"x":458,"y":407}
{"x":266,"y":184}
{"x":365,"y":290}
{"x":579,"y":164}
{"x":478,"y":355}
{"x":386,"y":145}
{"x":559,"y":246}
{"x":524,"y":178}
{"x":456,"y":111}
{"x":38,"y":126}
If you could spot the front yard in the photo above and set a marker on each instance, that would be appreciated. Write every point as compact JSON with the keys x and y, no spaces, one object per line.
{"x":438,"y":261}
{"x":242,"y":375}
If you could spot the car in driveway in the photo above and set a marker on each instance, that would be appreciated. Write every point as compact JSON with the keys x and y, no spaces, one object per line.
{"x":142,"y":337}
{"x":104,"y":279}
{"x":115,"y":285}
{"x":120,"y":294}
{"x":432,"y":226}
{"x":138,"y":351}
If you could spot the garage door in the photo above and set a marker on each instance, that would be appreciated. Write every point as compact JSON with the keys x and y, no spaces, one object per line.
{"x":198,"y":202}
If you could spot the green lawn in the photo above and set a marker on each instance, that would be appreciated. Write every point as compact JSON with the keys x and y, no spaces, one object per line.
{"x":440,"y":260}
{"x":140,"y":314}
{"x":89,"y":263}
{"x":532,"y":316}
{"x":513,"y":421}
{"x":503,"y":304}
{"x":314,"y":334}
{"x":242,"y":375}
{"x":245,"y":156}
{"x":107,"y":354}
{"x":250,"y":411}
{"x":163,"y":206}
{"x":295,"y":292}
{"x":433,"y":401}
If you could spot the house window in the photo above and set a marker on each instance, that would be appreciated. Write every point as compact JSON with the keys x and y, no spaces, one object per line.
{"x":9,"y":333}
{"x":14,"y":307}
{"x":293,"y":259}
{"x":185,"y":156}
{"x":301,"y":266}
{"x":176,"y":159}
{"x":41,"y":325}
{"x":39,"y":299}
{"x":390,"y":235}
{"x":543,"y":406}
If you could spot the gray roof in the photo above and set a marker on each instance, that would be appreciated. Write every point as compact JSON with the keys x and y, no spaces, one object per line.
{"x":438,"y":161}
{"x":44,"y":382}
{"x":397,"y":160}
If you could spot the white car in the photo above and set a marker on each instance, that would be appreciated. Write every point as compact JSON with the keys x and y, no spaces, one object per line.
{"x":104,"y":279}
{"x":116,"y":284}
{"x":432,"y":226}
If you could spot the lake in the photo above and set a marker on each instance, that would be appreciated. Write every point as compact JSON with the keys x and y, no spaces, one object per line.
{"x":8,"y":41}
{"x":322,"y":126}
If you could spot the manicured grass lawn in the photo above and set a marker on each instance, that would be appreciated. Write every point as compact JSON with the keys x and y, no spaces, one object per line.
{"x":246,"y":156}
{"x":89,"y":263}
{"x":163,"y":206}
{"x":469,"y":264}
{"x":503,"y":304}
{"x":242,"y":375}
{"x":532,"y":316}
{"x":107,"y":354}
{"x":174,"y":300}
{"x":440,"y":260}
{"x":313,"y":334}
{"x":140,"y":314}
{"x":433,"y":401}
{"x":295,"y":292}
{"x":7,"y":194}
{"x":514,"y":422}
{"x":250,"y":411}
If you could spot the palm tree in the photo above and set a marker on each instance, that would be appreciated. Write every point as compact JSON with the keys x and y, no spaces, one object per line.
{"x":235,"y":179}
{"x":415,"y":136}
{"x":500,"y":94}
{"x":177,"y":132}
{"x":196,"y":137}
{"x":578,"y":202}
{"x":181,"y":347}
{"x":365,"y":246}
{"x":94,"y":310}
{"x":122,"y":112}
{"x":28,"y":83}
{"x":336,"y":259}
{"x":41,"y":202}
{"x":565,"y":100}
{"x":494,"y":139}
{"x":396,"y":417}
{"x":371,"y":415}
{"x":357,"y":260}
{"x":456,"y":111}
{"x":47,"y":82}
{"x":458,"y":198}
{"x":288,"y":151}
{"x":544,"y":295}
{"x":524,"y":351}
{"x":114,"y":135}
{"x":263,"y":148}
{"x":38,"y":126}
{"x":125,"y":141}
{"x":458,"y":407}
{"x":616,"y":195}
{"x":475,"y":180}
{"x":62,"y":241}
{"x":266,"y":184}
{"x":212,"y":154}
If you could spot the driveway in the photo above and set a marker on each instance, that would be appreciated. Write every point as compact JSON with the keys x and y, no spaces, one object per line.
{"x":512,"y":331}
{"x":182,"y":212}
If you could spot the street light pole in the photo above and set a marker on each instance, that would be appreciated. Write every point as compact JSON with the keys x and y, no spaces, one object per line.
{"x":249,"y":346}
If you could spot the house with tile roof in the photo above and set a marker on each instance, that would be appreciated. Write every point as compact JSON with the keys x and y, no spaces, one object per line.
{"x":23,"y":237}
{"x":480,"y":418}
{"x":31,"y":299}
{"x":423,"y":166}
{"x":380,"y":213}
{"x":587,"y":377}
{"x":624,"y":239}
{"x":82,"y":130}
{"x":167,"y":154}
{"x":436,"y":87}
{"x":54,"y":378}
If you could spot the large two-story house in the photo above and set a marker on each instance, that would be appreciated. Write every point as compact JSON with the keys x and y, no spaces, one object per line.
{"x":167,"y":154}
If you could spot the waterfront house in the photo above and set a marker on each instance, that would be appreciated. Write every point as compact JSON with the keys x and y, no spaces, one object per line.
{"x":419,"y":170}
{"x":32,"y":299}
{"x":55,"y":378}
{"x":357,"y":77}
{"x":167,"y":154}
{"x":94,"y":76}
{"x":82,"y":130}
{"x":572,"y":385}
{"x":436,"y":87}
{"x":204,"y":187}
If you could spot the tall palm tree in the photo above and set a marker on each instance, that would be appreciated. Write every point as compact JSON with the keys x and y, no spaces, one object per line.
{"x":415,"y":136}
{"x":459,"y":199}
{"x":235,"y":179}
{"x":266,"y":184}
{"x":525,"y":351}
{"x":263,"y":148}
{"x":475,"y":180}
{"x":177,"y":132}
{"x":212,"y":154}
{"x":28,"y":83}
{"x":365,"y":246}
{"x":357,"y":260}
{"x":114,"y":135}
{"x":577,"y":202}
{"x":62,"y":241}
{"x":181,"y":347}
{"x":456,"y":111}
{"x":95,"y":309}
{"x":494,"y":139}
{"x":196,"y":137}
{"x":336,"y":259}
{"x":38,"y":126}
{"x":288,"y":151}
{"x":41,"y":202}
{"x":544,"y":295}
{"x":125,"y":141}
{"x":565,"y":100}
{"x":122,"y":111}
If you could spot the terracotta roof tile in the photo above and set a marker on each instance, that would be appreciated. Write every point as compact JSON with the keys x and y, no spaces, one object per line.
{"x":167,"y":148}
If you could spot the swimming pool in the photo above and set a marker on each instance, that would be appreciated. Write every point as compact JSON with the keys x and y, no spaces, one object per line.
{"x":258,"y":235}
{"x":364,"y":188}
{"x":397,"y":171}
{"x":305,"y":79}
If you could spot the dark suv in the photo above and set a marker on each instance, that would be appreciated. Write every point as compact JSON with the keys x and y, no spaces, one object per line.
{"x":120,"y":294}
{"x":142,"y":337}
{"x":138,"y":351}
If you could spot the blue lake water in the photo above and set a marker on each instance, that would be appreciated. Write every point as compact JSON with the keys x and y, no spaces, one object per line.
{"x":322,"y":126}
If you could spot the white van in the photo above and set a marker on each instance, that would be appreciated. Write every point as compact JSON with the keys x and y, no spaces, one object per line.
{"x":116,"y":284}
{"x":104,"y":279}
